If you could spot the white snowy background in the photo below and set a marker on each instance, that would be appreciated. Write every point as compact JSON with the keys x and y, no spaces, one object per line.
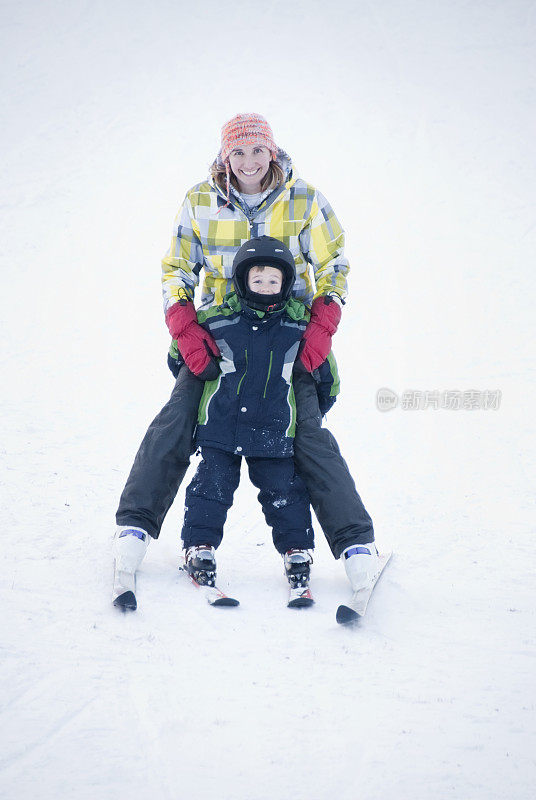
{"x":416,"y":119}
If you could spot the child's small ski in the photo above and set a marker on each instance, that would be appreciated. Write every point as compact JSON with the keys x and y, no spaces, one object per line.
{"x":355,"y":609}
{"x":300,"y":597}
{"x":214,"y":596}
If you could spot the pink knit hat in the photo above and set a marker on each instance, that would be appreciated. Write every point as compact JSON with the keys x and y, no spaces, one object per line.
{"x":246,"y":129}
{"x":240,"y":130}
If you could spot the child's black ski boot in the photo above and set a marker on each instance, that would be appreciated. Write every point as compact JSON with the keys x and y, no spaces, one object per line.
{"x":201,"y":564}
{"x":298,"y":569}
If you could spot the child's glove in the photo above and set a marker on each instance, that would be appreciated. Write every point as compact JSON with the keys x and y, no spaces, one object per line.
{"x":316,"y":342}
{"x":196,"y":345}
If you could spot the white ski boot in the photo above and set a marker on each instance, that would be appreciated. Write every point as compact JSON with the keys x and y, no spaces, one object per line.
{"x":201,"y":564}
{"x":129,"y":547}
{"x":362,"y":564}
{"x":298,"y":570}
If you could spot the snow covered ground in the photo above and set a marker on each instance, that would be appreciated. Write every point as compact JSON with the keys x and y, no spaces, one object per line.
{"x":416,"y":120}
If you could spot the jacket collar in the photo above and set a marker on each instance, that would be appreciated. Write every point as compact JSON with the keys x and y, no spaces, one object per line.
{"x":294,"y":309}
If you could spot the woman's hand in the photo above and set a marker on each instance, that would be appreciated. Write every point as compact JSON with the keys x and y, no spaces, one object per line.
{"x":196,"y":345}
{"x":316,"y":342}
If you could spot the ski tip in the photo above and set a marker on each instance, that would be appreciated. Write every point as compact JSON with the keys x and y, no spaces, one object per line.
{"x":300,"y":602}
{"x":126,"y":601}
{"x":347,"y":616}
{"x":224,"y":601}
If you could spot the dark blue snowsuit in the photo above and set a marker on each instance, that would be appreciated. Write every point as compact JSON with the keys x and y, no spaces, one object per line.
{"x":250,"y":411}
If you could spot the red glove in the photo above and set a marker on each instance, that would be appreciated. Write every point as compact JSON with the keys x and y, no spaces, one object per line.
{"x":316,"y":342}
{"x":196,"y":345}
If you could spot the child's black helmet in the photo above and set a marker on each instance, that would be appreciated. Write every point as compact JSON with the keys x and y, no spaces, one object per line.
{"x":264,"y":251}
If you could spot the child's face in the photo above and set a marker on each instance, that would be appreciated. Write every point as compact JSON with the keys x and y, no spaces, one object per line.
{"x":265,"y":280}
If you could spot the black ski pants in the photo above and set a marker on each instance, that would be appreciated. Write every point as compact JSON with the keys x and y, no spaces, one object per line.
{"x":164,"y":454}
{"x":283,"y":497}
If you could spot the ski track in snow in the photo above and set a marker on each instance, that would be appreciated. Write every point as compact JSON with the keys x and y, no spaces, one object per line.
{"x":114,"y":112}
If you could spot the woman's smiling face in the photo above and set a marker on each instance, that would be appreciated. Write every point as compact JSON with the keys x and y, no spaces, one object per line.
{"x":249,"y":165}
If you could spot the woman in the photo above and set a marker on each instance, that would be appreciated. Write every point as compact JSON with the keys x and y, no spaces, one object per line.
{"x":252,"y":192}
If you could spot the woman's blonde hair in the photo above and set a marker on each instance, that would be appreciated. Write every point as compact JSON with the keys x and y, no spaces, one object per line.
{"x":273,"y":178}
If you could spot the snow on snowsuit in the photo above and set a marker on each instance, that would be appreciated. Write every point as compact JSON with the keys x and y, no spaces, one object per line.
{"x":207,"y":235}
{"x":249,"y":411}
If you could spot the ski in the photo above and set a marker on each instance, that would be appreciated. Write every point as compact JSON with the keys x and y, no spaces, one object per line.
{"x":352,"y":611}
{"x":124,"y":590}
{"x":130,"y":546}
{"x":214,"y":595}
{"x":300,"y":597}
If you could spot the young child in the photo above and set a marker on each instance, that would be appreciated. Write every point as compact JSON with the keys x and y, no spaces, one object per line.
{"x":249,"y":411}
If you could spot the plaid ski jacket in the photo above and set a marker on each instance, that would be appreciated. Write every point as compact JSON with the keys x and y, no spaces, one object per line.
{"x":207,"y":236}
{"x":249,"y":409}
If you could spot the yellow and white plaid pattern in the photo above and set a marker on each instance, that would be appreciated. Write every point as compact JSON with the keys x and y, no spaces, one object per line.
{"x":207,"y":235}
